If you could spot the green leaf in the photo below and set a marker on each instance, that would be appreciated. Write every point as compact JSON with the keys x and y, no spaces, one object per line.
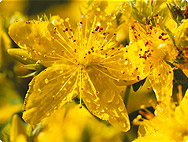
{"x":30,"y":74}
{"x":20,"y":55}
{"x":37,"y":67}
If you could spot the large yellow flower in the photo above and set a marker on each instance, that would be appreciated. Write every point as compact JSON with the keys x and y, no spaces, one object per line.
{"x":83,"y":60}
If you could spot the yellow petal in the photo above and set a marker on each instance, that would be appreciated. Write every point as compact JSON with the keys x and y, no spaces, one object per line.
{"x":161,"y":78}
{"x":41,"y":40}
{"x":157,"y":137}
{"x":185,"y":71}
{"x":127,"y":64}
{"x":103,"y":99}
{"x":17,"y":129}
{"x":48,"y":91}
{"x":181,"y":111}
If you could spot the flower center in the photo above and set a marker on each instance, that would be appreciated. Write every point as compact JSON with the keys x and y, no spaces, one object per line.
{"x":82,"y":58}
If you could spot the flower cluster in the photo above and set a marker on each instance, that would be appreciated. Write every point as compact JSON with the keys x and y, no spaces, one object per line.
{"x":95,"y":63}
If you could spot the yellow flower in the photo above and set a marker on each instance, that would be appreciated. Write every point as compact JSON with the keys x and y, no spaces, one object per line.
{"x":168,"y":124}
{"x":156,"y":48}
{"x":62,"y":126}
{"x":82,"y":61}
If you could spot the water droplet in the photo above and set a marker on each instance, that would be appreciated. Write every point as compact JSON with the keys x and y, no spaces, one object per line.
{"x":115,"y":112}
{"x":126,"y":62}
{"x":108,"y":95}
{"x":121,"y":108}
{"x":55,"y":108}
{"x":116,"y":100}
{"x":105,"y":116}
{"x":102,"y":110}
{"x":124,"y":125}
{"x":46,"y":81}
{"x":53,"y":96}
{"x":69,"y":82}
{"x":88,"y":101}
{"x":98,"y":105}
{"x":67,"y":20}
{"x":97,"y":99}
{"x":39,"y":90}
{"x":48,"y":114}
{"x":64,"y":99}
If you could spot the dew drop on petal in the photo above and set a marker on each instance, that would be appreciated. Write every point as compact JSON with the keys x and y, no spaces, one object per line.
{"x":98,"y":9}
{"x":64,"y":99}
{"x":116,"y":100}
{"x":120,"y":108}
{"x":98,"y":105}
{"x":123,"y":124}
{"x":105,"y":116}
{"x":97,"y":99}
{"x":115,"y":112}
{"x":46,"y":81}
{"x":108,"y":95}
{"x":87,"y":100}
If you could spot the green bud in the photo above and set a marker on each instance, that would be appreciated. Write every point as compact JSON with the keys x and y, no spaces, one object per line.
{"x":21,"y":55}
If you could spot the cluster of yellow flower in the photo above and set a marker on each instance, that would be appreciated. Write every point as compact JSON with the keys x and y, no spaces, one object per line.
{"x":114,"y":45}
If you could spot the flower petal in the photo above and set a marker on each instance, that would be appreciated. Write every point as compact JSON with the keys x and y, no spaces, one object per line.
{"x":181,"y":111}
{"x":126,"y":64}
{"x":48,"y":91}
{"x":41,"y":40}
{"x":157,"y":137}
{"x":161,"y":78}
{"x":103,"y":99}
